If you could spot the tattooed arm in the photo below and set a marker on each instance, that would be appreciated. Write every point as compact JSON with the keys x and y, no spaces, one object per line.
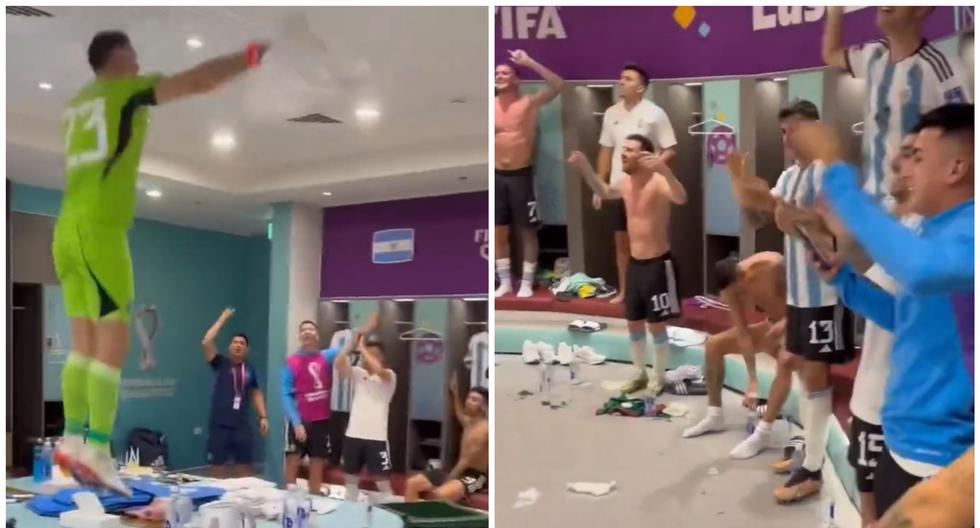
{"x":944,"y":501}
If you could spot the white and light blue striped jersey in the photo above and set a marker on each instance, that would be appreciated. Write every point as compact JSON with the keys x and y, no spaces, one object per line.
{"x":804,"y":288}
{"x":342,"y":391}
{"x":898,"y":94}
{"x":478,"y":360}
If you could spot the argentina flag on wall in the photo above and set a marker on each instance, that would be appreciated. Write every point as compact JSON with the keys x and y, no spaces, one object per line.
{"x":393,"y":246}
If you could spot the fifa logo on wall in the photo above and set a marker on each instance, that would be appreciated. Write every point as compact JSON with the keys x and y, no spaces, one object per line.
{"x":393,"y":246}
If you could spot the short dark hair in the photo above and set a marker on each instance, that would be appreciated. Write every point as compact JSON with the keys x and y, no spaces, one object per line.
{"x":507,"y":64}
{"x":953,"y":118}
{"x":801,"y":108}
{"x":307,"y":321}
{"x":644,"y":78}
{"x":241,"y":335}
{"x":643,"y":140}
{"x":482,"y":391}
{"x":726,"y":272}
{"x":374,"y":339}
{"x":102,"y":46}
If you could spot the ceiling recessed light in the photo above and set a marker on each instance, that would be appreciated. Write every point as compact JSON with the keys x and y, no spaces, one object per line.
{"x":194,"y":42}
{"x":154,"y":193}
{"x":44,"y":86}
{"x":780,"y":79}
{"x":327,"y":193}
{"x":223,"y":140}
{"x":367,"y":113}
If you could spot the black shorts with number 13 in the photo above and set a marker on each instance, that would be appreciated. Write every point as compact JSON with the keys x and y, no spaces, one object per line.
{"x":824,"y":334}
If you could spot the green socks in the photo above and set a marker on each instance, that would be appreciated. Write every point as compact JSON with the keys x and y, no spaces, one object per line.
{"x":103,"y":399}
{"x":74,"y":393}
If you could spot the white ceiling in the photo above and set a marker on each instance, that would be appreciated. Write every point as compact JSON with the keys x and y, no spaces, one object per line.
{"x":408,"y":62}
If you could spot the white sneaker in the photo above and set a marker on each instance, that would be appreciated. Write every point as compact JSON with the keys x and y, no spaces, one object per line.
{"x":530,"y":352}
{"x":547,"y":352}
{"x":751,"y":446}
{"x":526,"y":289}
{"x":708,"y":424}
{"x":565,"y":354}
{"x":504,"y":289}
{"x":94,"y":467}
{"x":586,"y":354}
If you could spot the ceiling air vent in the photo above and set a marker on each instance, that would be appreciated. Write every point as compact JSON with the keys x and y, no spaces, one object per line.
{"x":315,"y":118}
{"x":27,"y":11}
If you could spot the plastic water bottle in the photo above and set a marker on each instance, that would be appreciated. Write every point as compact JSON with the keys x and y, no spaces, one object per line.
{"x":830,"y":521}
{"x":289,"y":508}
{"x":47,"y":458}
{"x":184,"y":506}
{"x":304,"y":507}
{"x":172,"y":519}
{"x":573,"y":372}
{"x":751,"y":421}
{"x":649,"y":405}
{"x":37,"y":470}
{"x":544,"y":382}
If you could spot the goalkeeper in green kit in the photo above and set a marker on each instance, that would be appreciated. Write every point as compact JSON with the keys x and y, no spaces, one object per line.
{"x":105,"y":127}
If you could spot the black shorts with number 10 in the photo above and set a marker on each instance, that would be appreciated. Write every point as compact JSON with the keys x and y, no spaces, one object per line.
{"x":824,"y":334}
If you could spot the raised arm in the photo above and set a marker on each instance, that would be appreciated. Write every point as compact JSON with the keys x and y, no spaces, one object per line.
{"x":675,"y":189}
{"x":833,"y":53}
{"x":209,"y":75}
{"x":210,"y":351}
{"x":457,"y":402}
{"x":553,"y":81}
{"x":474,"y":444}
{"x":752,"y":193}
{"x":584,"y":168}
{"x":342,"y":362}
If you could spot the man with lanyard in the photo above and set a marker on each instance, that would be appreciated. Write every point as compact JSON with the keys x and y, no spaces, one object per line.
{"x":230,"y":437}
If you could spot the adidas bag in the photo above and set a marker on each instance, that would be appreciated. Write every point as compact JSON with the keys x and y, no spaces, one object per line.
{"x":147,"y":447}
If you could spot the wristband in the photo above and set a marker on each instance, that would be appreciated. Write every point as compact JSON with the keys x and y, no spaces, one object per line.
{"x":253,"y":55}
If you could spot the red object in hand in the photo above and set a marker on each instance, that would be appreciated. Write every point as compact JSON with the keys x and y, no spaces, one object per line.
{"x":253,"y":55}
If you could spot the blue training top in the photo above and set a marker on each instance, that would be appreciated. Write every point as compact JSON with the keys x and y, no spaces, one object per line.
{"x":928,"y":409}
{"x":288,"y":392}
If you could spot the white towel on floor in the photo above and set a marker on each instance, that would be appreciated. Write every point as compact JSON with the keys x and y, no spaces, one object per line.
{"x":685,"y":337}
{"x":596,"y":489}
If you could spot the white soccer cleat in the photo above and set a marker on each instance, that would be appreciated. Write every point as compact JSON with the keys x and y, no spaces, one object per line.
{"x":565,"y":355}
{"x":96,"y":468}
{"x":530,"y":352}
{"x":586,"y":354}
{"x":67,"y":451}
{"x":708,"y":424}
{"x":547,"y":352}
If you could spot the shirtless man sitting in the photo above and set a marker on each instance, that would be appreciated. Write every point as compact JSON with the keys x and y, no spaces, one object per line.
{"x":758,"y":282}
{"x":470,"y":474}
{"x":652,"y":299}
{"x":515,"y":127}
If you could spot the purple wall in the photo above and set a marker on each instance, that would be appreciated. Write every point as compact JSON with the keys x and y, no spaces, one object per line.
{"x":450,"y":248}
{"x":593,"y":43}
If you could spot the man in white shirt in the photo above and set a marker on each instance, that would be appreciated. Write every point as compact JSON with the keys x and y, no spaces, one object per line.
{"x":906,"y":77}
{"x":631,"y":115}
{"x":366,"y":441}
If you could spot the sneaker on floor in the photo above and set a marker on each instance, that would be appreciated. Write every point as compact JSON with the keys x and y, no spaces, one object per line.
{"x":801,"y":484}
{"x":96,"y":468}
{"x":547,"y":352}
{"x":504,"y":289}
{"x":526,"y":290}
{"x":751,"y":446}
{"x":586,"y":354}
{"x":656,"y":385}
{"x":708,"y":424}
{"x":67,"y":452}
{"x":637,"y":384}
{"x":565,"y":355}
{"x":530,"y":352}
{"x":783,"y":467}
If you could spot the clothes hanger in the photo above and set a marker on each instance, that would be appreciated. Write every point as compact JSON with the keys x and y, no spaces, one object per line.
{"x":721,"y":128}
{"x":426,"y":335}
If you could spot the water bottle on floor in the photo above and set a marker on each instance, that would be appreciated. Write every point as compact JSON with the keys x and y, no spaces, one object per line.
{"x":37,"y":470}
{"x":47,"y":457}
{"x":304,"y":508}
{"x":544,"y":382}
{"x":830,"y":516}
{"x":649,"y":405}
{"x":289,"y":508}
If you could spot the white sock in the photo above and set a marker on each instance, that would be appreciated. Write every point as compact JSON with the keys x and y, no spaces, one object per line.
{"x":385,"y":488}
{"x":638,"y":349}
{"x":351,"y":485}
{"x":817,"y":421}
{"x":661,"y":346}
{"x":527,"y":280}
{"x":503,"y":273}
{"x":714,"y":411}
{"x":714,"y":420}
{"x":763,"y":427}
